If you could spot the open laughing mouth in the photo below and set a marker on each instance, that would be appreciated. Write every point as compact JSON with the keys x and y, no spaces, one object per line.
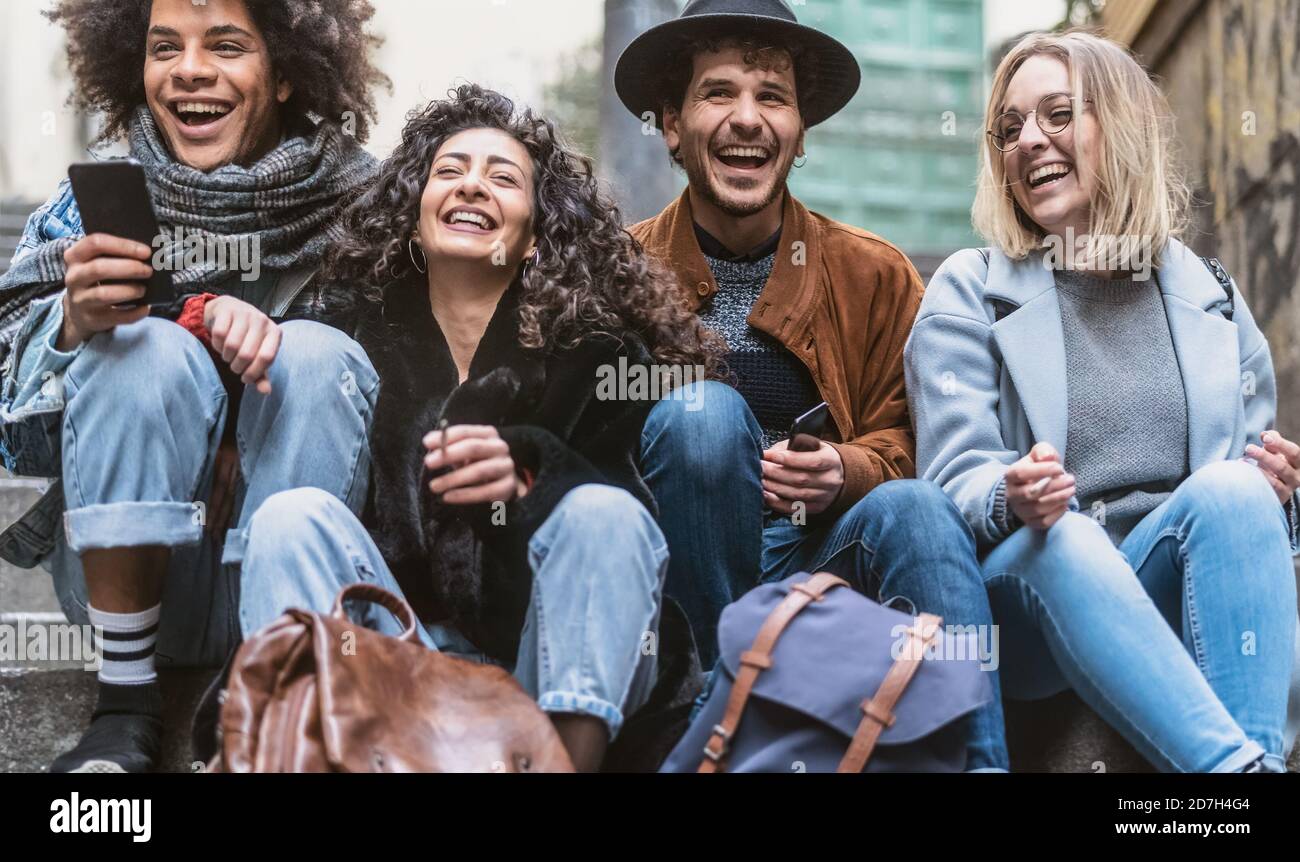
{"x":743,"y":158}
{"x":200,"y":115}
{"x":469,"y":220}
{"x":1048,"y":174}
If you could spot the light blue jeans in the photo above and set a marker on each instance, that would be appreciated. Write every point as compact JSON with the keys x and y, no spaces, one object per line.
{"x":144,"y":414}
{"x":1182,"y":638}
{"x":589,"y":641}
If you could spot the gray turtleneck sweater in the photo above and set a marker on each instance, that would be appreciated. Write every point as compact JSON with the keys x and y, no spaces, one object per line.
{"x":1127,"y":409}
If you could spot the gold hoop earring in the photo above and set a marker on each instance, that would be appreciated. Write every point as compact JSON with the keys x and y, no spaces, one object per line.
{"x":410,"y":250}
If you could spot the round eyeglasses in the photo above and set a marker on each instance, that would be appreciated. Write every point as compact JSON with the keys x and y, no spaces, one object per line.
{"x":1053,"y":114}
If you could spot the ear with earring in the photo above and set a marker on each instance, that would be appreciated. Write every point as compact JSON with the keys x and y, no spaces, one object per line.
{"x":410,"y":250}
{"x":801,"y":154}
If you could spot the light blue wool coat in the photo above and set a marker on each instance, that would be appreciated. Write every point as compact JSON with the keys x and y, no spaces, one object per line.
{"x":982,"y":393}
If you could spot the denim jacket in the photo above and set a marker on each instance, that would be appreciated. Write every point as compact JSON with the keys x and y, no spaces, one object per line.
{"x":31,"y":378}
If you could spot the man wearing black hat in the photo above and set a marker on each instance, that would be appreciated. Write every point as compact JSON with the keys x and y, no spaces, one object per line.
{"x":812,"y":310}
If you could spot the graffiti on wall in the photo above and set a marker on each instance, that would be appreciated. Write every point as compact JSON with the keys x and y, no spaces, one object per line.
{"x":1238,"y":109}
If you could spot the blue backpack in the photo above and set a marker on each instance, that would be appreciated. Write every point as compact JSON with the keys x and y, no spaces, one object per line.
{"x":814,"y":678}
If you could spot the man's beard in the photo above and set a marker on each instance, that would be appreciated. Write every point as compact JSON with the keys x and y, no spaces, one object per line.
{"x":699,"y":180}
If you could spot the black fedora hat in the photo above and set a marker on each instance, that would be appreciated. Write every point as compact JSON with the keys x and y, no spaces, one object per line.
{"x":639,"y":71}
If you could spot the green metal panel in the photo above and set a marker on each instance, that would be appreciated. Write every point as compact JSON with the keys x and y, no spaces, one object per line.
{"x":900,"y":159}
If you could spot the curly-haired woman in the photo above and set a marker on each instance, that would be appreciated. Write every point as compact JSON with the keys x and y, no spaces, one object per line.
{"x":238,"y":111}
{"x":497,"y":288}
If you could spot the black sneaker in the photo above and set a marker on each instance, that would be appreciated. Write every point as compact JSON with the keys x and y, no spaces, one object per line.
{"x":125,"y":733}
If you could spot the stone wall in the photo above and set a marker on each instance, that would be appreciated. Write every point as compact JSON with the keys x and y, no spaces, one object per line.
{"x":1231,"y":69}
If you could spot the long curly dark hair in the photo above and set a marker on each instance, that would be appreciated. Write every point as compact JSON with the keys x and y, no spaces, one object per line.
{"x":320,"y":46}
{"x":591,"y":275}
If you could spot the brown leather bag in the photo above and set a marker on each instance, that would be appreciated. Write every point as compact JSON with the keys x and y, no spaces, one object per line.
{"x":317,"y":693}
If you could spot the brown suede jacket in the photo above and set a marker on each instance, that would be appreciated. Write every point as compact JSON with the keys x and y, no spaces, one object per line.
{"x":843,"y":301}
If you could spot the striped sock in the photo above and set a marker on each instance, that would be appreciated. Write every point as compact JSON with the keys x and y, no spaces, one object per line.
{"x":125,"y":643}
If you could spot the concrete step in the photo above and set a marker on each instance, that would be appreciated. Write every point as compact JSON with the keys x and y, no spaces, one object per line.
{"x":1063,"y":734}
{"x":44,"y":712}
{"x":22,"y":589}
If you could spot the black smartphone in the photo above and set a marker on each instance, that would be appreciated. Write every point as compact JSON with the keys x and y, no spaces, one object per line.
{"x":114,"y":199}
{"x":806,"y":431}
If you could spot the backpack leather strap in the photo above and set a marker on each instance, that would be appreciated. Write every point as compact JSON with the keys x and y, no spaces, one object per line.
{"x":1228,"y":306}
{"x":878,"y":711}
{"x":758,"y":659}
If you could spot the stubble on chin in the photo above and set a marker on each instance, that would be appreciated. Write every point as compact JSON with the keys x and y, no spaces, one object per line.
{"x":701,"y":181}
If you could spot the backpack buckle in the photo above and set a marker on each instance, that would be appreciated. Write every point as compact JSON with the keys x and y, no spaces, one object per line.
{"x":716,"y":756}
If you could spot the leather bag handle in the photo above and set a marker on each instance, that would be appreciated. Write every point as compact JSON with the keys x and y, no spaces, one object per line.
{"x":758,"y":659}
{"x":878,"y":711}
{"x":383,"y":598}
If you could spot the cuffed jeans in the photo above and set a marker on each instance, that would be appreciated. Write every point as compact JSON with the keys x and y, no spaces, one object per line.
{"x":145,"y":409}
{"x":588,"y":645}
{"x":1182,"y":638}
{"x":905,"y":544}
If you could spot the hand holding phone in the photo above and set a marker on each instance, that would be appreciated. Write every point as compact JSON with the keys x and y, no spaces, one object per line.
{"x":104,"y":284}
{"x":110,"y":279}
{"x":113,"y":198}
{"x":800,"y":474}
{"x":806,"y":431}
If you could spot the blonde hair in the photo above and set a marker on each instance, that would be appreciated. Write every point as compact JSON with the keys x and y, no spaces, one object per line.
{"x":1138,"y":190}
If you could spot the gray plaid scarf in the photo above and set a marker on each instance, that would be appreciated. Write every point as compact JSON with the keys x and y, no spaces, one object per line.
{"x":289,"y":201}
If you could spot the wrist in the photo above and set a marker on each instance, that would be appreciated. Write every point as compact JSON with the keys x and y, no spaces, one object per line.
{"x":70,"y":335}
{"x":205,"y":304}
{"x":194,"y":316}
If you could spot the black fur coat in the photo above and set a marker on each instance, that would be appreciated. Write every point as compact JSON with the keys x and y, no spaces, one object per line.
{"x":468,"y":565}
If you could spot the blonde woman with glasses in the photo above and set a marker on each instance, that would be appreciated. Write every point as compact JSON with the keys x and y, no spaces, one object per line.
{"x":1099,"y":402}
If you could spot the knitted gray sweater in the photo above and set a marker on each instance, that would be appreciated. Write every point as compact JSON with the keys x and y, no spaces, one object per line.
{"x":1127,"y":410}
{"x":773,"y":381}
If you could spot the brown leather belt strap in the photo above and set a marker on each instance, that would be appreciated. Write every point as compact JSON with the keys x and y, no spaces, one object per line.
{"x":759,"y":659}
{"x":878,"y":711}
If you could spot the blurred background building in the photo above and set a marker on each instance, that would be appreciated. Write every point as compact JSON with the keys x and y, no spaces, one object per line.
{"x":899,"y":160}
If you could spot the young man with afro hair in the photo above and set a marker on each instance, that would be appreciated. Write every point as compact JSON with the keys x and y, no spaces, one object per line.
{"x":247,"y":117}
